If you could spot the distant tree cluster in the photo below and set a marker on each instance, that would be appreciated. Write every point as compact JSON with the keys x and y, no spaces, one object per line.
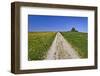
{"x":74,"y":30}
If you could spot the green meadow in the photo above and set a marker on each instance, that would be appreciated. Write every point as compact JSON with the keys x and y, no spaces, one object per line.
{"x":79,"y":42}
{"x":38,"y":44}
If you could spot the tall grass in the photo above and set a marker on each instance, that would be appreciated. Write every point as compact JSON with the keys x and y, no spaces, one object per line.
{"x":78,"y":41}
{"x":38,"y":44}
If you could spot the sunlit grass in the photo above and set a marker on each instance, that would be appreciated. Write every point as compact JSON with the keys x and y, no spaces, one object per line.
{"x":79,"y":41}
{"x":38,"y":44}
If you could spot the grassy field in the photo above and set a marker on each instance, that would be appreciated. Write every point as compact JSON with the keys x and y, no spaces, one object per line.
{"x":38,"y":44}
{"x":78,"y":41}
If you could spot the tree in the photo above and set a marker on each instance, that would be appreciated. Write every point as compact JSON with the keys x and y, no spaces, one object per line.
{"x":73,"y":30}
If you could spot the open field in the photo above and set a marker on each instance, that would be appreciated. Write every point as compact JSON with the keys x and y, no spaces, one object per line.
{"x":38,"y":44}
{"x":53,"y":45}
{"x":78,"y":41}
{"x":61,"y":49}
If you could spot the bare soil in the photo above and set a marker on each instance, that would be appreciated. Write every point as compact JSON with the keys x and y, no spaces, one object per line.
{"x":61,"y":49}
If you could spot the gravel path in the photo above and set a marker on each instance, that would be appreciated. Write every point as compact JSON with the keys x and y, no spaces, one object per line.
{"x":61,"y":49}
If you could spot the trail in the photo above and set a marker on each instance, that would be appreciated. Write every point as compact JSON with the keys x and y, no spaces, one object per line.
{"x":61,"y":49}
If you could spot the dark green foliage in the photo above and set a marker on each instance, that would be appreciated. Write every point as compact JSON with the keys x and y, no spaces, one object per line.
{"x":73,"y":30}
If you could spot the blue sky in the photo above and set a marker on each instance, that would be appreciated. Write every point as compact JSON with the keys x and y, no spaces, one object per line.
{"x":45,"y":23}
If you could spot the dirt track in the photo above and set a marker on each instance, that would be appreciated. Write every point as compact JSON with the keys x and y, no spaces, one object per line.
{"x":61,"y":49}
